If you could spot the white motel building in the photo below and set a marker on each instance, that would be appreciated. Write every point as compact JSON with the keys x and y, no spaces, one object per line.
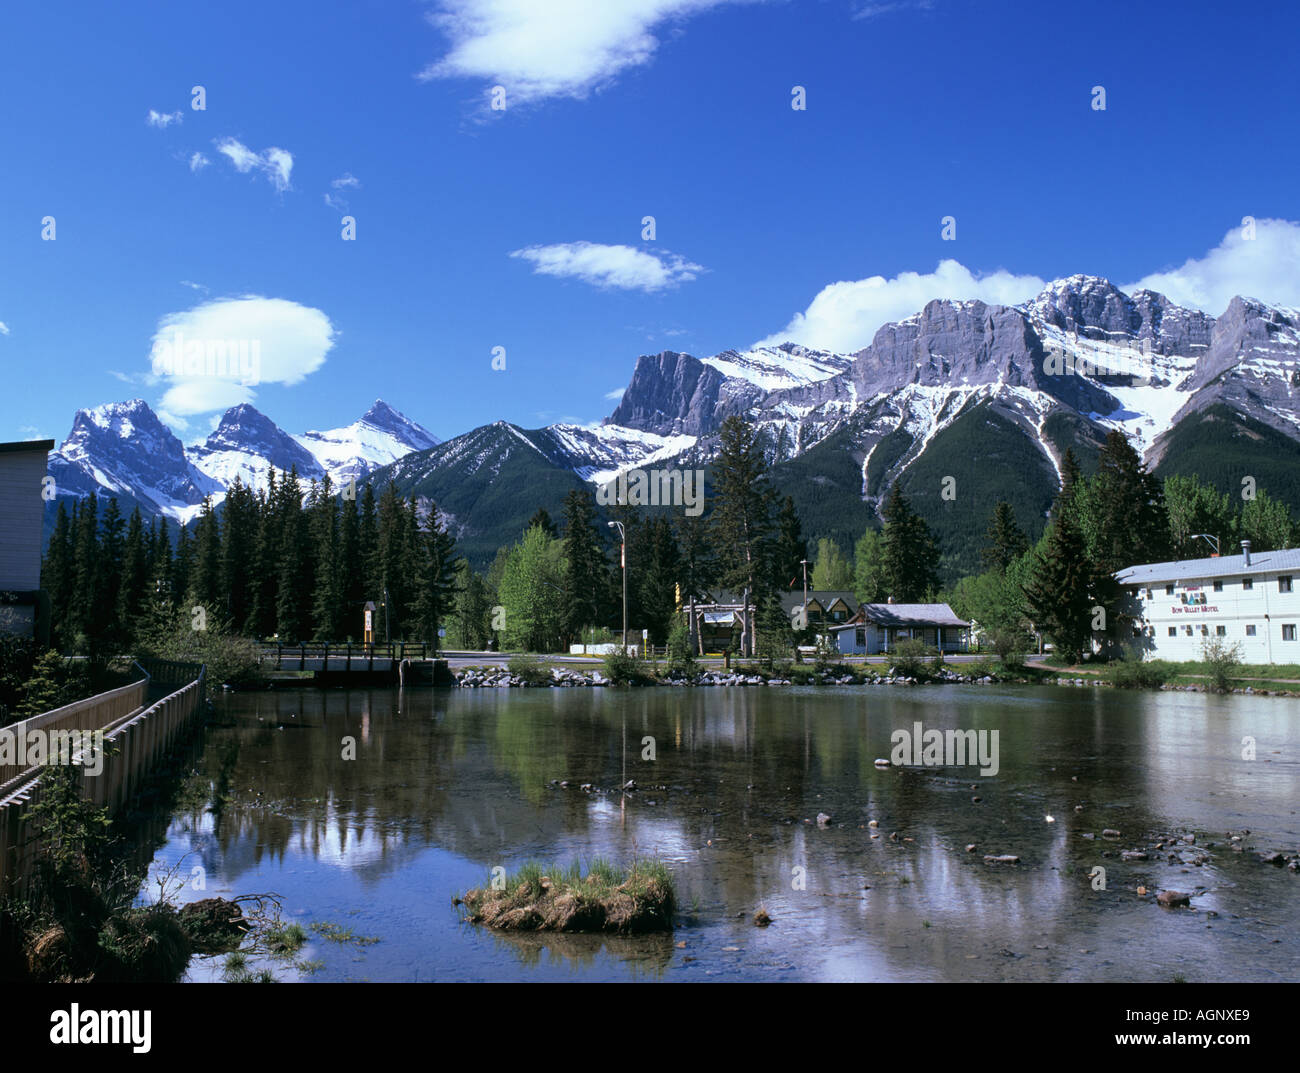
{"x":1251,"y":599}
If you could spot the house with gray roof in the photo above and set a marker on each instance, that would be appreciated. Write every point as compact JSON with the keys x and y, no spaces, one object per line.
{"x":880,"y":627}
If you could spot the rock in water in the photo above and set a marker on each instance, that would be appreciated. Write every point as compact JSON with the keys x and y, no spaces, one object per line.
{"x":1173,"y":898}
{"x":823,"y":819}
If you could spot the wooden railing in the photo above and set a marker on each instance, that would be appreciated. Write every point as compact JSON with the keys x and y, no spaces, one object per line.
{"x":93,"y":713}
{"x":271,"y":652}
{"x":132,"y":745}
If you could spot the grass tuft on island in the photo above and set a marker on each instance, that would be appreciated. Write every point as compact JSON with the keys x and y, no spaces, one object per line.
{"x":607,"y":899}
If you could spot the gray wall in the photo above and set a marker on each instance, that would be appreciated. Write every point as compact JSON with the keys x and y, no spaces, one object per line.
{"x":21,"y":512}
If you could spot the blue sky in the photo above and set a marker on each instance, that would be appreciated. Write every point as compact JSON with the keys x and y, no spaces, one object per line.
{"x":522,"y":228}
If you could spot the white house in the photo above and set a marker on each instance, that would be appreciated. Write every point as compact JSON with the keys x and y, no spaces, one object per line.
{"x":879,"y":628}
{"x":1248,"y":598}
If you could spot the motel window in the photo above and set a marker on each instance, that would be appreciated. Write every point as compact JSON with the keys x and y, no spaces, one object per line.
{"x":1173,"y":631}
{"x":1250,"y":631}
{"x":1284,"y":583}
{"x":1205,"y":630}
{"x":1220,"y":631}
{"x":1218,"y":586}
{"x":1187,"y":630}
{"x":1288,"y":633}
{"x":1247,"y":583}
{"x":860,"y":636}
{"x":1169,"y":590}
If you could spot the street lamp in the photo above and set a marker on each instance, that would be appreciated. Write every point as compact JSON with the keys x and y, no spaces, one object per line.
{"x":622,"y":554}
{"x":1210,"y":539}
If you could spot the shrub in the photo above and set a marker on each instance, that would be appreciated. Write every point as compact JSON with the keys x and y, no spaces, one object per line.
{"x":1135,"y":674}
{"x":530,"y":671}
{"x":624,"y":670}
{"x":1010,"y":646}
{"x":1222,"y":661}
{"x":680,"y":654}
{"x":908,"y":658}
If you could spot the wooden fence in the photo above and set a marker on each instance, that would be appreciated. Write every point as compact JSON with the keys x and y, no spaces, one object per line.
{"x":133,"y":744}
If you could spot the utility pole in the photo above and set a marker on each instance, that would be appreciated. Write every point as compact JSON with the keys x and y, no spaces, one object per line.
{"x":622,"y":537}
{"x":388,"y":637}
{"x":804,"y":609}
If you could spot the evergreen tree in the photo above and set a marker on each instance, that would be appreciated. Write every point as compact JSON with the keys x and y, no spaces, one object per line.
{"x":327,"y":599}
{"x":266,"y":556}
{"x":585,"y":567}
{"x":658,"y":591}
{"x":205,"y":578}
{"x":909,"y":552}
{"x":105,"y":632}
{"x":293,"y":591}
{"x":1071,"y":475}
{"x":368,"y":523}
{"x":1057,"y":593}
{"x":160,"y":570}
{"x":741,"y":518}
{"x":239,"y":534}
{"x":134,"y":594}
{"x":180,"y":567}
{"x":58,"y":576}
{"x":1006,"y":540}
{"x":542,"y":518}
{"x":435,"y":577}
{"x":351,"y":567}
{"x":393,"y":556}
{"x":1195,"y":508}
{"x":790,"y":548}
{"x":697,"y":569}
{"x":473,"y":608}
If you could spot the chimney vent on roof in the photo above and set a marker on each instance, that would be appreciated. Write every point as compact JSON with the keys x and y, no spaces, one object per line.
{"x":1245,"y":550}
{"x":890,"y":600}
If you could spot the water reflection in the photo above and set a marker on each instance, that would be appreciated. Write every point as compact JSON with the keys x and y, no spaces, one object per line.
{"x":446,"y":785}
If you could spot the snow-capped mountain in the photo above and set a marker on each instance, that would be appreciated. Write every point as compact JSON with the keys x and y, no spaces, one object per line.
{"x":381,"y":436}
{"x":124,"y":450}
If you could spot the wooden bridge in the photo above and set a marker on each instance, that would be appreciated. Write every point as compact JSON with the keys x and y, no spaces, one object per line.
{"x":140,"y":723}
{"x":407,"y":661}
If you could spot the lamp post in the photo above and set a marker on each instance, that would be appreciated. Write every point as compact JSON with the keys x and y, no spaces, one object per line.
{"x":804,"y":609}
{"x":1210,"y":539}
{"x":622,"y":554}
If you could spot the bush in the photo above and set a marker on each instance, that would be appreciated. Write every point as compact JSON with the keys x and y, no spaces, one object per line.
{"x":1135,"y":674}
{"x":530,"y":671}
{"x":624,"y":670}
{"x":229,"y":657}
{"x":680,"y":654}
{"x":1010,"y":646}
{"x":908,"y":658}
{"x":1222,"y":661}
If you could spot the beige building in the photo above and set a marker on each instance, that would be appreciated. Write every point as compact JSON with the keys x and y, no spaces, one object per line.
{"x":23,"y":607}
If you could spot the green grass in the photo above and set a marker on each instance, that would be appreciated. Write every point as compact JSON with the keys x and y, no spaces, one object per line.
{"x":336,"y":933}
{"x":286,"y":940}
{"x":554,"y":897}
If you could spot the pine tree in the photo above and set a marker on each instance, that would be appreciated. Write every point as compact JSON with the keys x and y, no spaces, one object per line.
{"x":910,"y":555}
{"x":369,"y":529}
{"x":160,"y":571}
{"x":473,"y":608}
{"x":585,"y":567}
{"x":1057,"y":596}
{"x":133,"y":597}
{"x":697,"y":569}
{"x":435,"y":578}
{"x":105,"y":631}
{"x":180,"y":567}
{"x":351,"y":568}
{"x":238,"y":556}
{"x":57,"y":576}
{"x":790,"y":548}
{"x":205,"y":576}
{"x":658,"y":591}
{"x":1006,"y":540}
{"x":741,"y":517}
{"x":393,"y":557}
{"x":327,"y":600}
{"x":542,"y":518}
{"x":293,"y":590}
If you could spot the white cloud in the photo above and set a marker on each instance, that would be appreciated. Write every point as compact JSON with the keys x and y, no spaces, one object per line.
{"x":198,"y":162}
{"x":844,"y":316}
{"x":264,"y":340}
{"x":1266,"y":267}
{"x":194,"y":286}
{"x":4,"y":328}
{"x":551,"y":48}
{"x":276,"y":164}
{"x":870,"y":11}
{"x":31,"y":432}
{"x":616,"y":394}
{"x":624,"y":267}
{"x":163,"y":120}
{"x":344,"y":180}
